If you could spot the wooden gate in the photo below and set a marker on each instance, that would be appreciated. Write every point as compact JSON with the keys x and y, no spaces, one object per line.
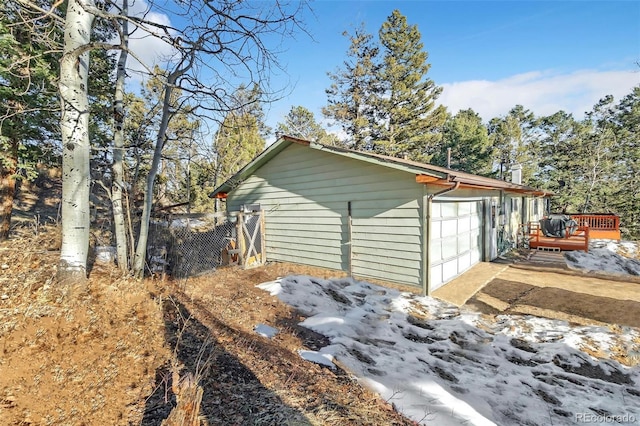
{"x":251,"y":239}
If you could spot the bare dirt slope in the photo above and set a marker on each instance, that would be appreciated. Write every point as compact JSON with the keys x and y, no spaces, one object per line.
{"x":115,"y":354}
{"x":111,"y":354}
{"x":250,"y":379}
{"x":87,"y":358}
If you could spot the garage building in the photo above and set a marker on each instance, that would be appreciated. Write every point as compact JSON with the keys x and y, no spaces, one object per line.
{"x":378,"y":217}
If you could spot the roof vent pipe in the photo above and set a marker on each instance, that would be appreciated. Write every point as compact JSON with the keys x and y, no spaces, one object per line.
{"x":516,"y":174}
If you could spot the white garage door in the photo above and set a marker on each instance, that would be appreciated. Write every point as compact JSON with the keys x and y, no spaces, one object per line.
{"x":456,"y":239}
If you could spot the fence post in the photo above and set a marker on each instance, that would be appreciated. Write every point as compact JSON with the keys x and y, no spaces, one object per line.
{"x":240,"y":237}
{"x":263,"y":244}
{"x":350,"y":230}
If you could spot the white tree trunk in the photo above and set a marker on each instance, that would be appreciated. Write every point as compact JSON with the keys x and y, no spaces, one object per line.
{"x":118,"y":142}
{"x":74,"y":124}
{"x":139,"y":258}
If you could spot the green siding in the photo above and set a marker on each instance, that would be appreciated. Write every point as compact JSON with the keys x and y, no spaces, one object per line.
{"x":305,"y":192}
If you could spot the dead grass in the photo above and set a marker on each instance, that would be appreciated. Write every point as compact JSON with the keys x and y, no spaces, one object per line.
{"x":229,"y":306}
{"x":89,"y":358}
{"x":114,"y":353}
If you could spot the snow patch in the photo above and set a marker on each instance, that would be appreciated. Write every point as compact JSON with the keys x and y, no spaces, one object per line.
{"x":265,"y":331}
{"x":318,"y":358}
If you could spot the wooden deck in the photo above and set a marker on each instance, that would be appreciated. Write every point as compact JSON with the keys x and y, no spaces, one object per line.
{"x":590,"y":226}
{"x":577,"y":241}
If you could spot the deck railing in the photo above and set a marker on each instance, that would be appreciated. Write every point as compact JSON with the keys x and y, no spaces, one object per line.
{"x":601,"y":226}
{"x":598,"y":221}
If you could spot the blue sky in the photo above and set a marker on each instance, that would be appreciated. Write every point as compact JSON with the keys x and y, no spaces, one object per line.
{"x":488,"y":56}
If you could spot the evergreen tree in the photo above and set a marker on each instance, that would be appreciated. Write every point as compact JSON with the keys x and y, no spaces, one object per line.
{"x":623,"y":200}
{"x":561,"y":166}
{"x":301,"y":123}
{"x":408,"y":123}
{"x":29,"y":111}
{"x":241,"y":135}
{"x":515,"y":141}
{"x":468,"y":139}
{"x":350,"y":95}
{"x":246,"y":102}
{"x":599,"y":153}
{"x":101,"y":94}
{"x":237,"y":142}
{"x":202,"y":185}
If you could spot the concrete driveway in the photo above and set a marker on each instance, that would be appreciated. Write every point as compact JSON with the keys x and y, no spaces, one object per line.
{"x":543,"y":285}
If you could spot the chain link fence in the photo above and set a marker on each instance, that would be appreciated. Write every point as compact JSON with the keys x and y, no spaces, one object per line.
{"x":189,"y":247}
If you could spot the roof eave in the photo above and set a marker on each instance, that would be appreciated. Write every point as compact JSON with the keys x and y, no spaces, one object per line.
{"x":266,"y":155}
{"x":386,"y":161}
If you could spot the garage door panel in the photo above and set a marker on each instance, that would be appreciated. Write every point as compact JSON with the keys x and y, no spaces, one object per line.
{"x":456,"y":239}
{"x":475,"y":220}
{"x":449,"y":269}
{"x":448,"y":210}
{"x":464,"y":225}
{"x":464,"y":208}
{"x":449,"y":247}
{"x":436,"y":276}
{"x":464,"y":261}
{"x":436,"y":251}
{"x":436,"y":230}
{"x":464,"y":243}
{"x":435,"y":210}
{"x":476,"y":239}
{"x":449,"y":227}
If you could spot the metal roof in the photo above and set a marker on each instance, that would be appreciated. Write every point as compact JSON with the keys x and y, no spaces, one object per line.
{"x":433,"y":174}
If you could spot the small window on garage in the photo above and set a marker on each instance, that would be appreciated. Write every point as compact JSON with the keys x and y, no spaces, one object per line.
{"x":514,"y":204}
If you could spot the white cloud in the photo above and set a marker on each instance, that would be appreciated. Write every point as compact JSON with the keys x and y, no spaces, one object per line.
{"x":543,"y":92}
{"x":149,"y":48}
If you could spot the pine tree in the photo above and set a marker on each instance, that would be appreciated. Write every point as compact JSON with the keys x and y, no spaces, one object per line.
{"x":599,"y":153}
{"x":301,"y":123}
{"x":29,"y":110}
{"x":623,"y":200}
{"x":468,"y":139}
{"x":408,"y":122}
{"x":350,"y":94}
{"x":241,"y":135}
{"x":515,"y":141}
{"x":561,"y":166}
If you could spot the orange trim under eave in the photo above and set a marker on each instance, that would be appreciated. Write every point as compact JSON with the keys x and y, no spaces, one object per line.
{"x":221,"y":195}
{"x":426,"y":179}
{"x":430,"y":179}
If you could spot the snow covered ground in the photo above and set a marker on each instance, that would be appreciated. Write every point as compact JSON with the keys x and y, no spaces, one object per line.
{"x":442,"y":366}
{"x":620,"y":258}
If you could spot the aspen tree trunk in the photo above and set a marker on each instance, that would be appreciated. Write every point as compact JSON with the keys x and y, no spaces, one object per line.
{"x":118,"y":187}
{"x":74,"y":124}
{"x":139,"y":258}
